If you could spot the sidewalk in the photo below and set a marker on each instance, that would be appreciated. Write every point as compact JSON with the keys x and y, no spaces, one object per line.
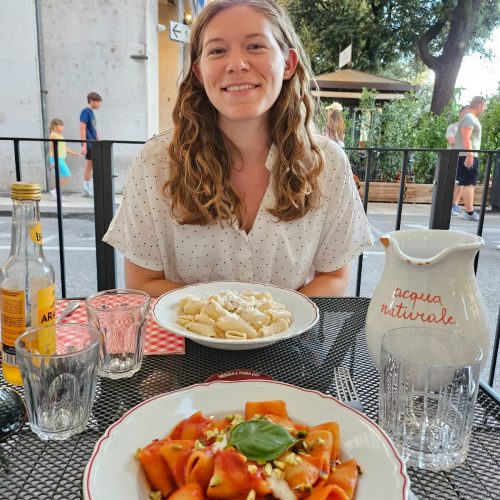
{"x":75,"y":203}
{"x":72,"y":203}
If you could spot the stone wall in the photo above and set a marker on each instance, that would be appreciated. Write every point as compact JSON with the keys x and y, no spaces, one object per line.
{"x":107,"y":46}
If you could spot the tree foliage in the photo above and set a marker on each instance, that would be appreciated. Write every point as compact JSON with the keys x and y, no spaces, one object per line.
{"x":388,"y":35}
{"x":491,"y":123}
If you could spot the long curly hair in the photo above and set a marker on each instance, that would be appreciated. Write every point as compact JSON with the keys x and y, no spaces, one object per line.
{"x":200,"y":154}
{"x":335,"y":126}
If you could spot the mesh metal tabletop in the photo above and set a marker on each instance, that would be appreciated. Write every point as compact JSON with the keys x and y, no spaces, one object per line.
{"x":32,"y":469}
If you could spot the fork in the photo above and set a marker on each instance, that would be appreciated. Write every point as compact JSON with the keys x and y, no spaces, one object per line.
{"x":345,"y":389}
{"x":70,"y":307}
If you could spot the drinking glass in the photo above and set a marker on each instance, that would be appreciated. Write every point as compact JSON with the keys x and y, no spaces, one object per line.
{"x":121,"y":317}
{"x":58,"y":366}
{"x":429,"y":380}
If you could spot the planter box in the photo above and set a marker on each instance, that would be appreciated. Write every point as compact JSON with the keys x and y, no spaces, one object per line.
{"x":414,"y":193}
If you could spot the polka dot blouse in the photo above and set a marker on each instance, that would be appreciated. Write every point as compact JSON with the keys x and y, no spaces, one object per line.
{"x":277,"y":252}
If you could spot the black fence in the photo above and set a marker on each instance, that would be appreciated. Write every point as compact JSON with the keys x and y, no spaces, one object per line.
{"x":365,"y":163}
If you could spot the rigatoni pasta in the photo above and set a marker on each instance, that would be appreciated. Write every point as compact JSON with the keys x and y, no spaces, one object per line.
{"x":234,"y":315}
{"x":261,"y":454}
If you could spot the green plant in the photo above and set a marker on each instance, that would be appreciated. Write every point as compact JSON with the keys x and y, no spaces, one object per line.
{"x":407,"y":123}
{"x":349,"y":123}
{"x":398,"y":130}
{"x":430,"y":131}
{"x":369,"y":124}
{"x":491,"y":123}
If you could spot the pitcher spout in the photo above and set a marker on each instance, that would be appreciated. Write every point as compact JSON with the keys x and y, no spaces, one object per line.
{"x":428,"y":247}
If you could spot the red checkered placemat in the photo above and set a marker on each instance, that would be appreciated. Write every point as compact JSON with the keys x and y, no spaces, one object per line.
{"x":158,"y":340}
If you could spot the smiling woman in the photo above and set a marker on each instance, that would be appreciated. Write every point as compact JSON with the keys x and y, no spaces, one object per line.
{"x":242,"y":68}
{"x":241,"y":189}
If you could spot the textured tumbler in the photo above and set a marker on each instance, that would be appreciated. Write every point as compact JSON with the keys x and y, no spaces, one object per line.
{"x":59,"y":367}
{"x":429,"y":380}
{"x":121,"y":317}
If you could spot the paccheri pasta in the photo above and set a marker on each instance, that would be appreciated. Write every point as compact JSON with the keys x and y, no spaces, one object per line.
{"x":234,"y":315}
{"x":264,"y":454}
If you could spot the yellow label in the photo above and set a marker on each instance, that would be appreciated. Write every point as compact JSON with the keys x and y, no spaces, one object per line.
{"x":46,"y":302}
{"x":46,"y":299}
{"x":13,"y":315}
{"x":36,"y":233}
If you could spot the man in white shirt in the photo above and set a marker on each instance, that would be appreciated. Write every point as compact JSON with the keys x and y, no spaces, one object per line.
{"x":468,"y":137}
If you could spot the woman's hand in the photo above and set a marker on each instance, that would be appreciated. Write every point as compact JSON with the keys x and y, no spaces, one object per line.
{"x":152,"y":282}
{"x":332,"y":284}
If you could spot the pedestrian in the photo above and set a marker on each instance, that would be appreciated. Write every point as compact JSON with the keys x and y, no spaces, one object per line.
{"x":335,"y":125}
{"x":468,"y":137}
{"x":451,"y":131}
{"x":241,"y":189}
{"x":56,"y":129}
{"x":88,"y":132}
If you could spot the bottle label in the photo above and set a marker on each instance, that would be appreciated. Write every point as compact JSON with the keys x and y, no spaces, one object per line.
{"x":36,"y":233}
{"x":13,"y":322}
{"x":46,"y":301}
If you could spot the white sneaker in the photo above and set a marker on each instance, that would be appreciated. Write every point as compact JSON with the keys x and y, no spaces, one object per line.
{"x":474,"y":216}
{"x":88,"y":189}
{"x":53,"y":193}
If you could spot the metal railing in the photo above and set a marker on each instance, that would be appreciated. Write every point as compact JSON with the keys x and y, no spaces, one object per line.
{"x":440,"y":215}
{"x":102,"y":157}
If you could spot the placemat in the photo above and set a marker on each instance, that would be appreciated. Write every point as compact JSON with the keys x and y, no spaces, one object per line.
{"x":158,"y":340}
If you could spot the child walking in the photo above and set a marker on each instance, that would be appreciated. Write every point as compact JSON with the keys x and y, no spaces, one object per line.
{"x":56,"y":129}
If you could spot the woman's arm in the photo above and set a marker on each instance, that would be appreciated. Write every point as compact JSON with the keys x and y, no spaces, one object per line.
{"x":332,"y":284}
{"x":152,"y":282}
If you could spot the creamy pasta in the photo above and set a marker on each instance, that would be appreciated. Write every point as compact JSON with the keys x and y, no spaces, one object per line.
{"x":234,"y":315}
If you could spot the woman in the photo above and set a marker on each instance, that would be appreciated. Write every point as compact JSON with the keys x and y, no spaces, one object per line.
{"x":241,"y":189}
{"x":335,"y":125}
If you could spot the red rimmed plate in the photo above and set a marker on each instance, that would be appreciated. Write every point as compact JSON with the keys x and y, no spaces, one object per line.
{"x":113,"y":472}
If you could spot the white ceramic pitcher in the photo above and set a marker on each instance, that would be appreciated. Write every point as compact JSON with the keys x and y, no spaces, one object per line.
{"x":428,"y":281}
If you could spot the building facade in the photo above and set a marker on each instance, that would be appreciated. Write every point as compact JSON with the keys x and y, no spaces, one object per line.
{"x":53,"y":52}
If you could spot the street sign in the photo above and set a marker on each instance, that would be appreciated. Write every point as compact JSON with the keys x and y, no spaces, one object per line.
{"x":345,"y":56}
{"x":179,"y":32}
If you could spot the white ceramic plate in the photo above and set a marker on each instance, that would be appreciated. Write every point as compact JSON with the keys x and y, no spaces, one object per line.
{"x":305,"y":313}
{"x":113,"y":472}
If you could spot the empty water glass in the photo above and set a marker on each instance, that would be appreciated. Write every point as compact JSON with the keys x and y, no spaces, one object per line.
{"x":121,"y":318}
{"x":59,"y":367}
{"x":428,"y":387}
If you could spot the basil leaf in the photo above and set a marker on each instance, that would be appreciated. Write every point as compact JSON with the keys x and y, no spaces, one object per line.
{"x":260,"y":440}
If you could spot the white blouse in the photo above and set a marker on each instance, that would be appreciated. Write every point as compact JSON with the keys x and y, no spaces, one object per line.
{"x":277,"y":252}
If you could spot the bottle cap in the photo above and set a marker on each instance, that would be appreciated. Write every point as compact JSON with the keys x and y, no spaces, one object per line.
{"x":25,"y":191}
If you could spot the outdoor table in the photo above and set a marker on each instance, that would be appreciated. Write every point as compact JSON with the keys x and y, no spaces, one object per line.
{"x":30,"y":468}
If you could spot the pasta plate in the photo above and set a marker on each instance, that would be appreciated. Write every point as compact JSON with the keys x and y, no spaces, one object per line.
{"x":305,"y":313}
{"x":113,"y":472}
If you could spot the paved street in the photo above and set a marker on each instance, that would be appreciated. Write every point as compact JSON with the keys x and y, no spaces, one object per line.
{"x":79,"y":243}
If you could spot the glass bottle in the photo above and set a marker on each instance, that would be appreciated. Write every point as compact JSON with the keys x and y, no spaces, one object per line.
{"x":27,"y":280}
